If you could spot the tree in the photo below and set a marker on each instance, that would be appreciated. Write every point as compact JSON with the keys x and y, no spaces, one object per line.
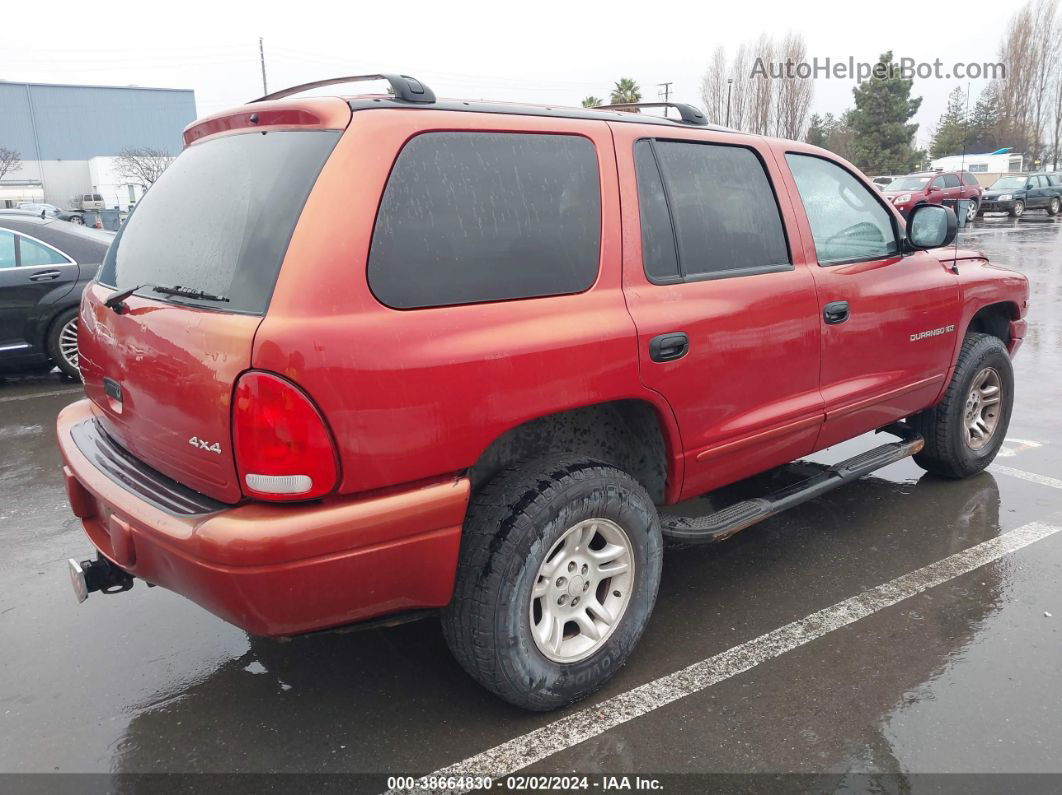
{"x":950,"y":136}
{"x":792,"y":93}
{"x":831,"y":133}
{"x":1027,"y":51}
{"x":625,"y":92}
{"x":142,"y":166}
{"x":10,"y":160}
{"x":817,"y":131}
{"x":985,"y":133}
{"x":592,"y":102}
{"x":714,"y":87}
{"x":883,"y":106}
{"x":761,"y":104}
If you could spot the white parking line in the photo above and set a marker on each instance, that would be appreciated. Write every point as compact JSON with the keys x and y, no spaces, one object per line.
{"x":1032,"y":477}
{"x":594,"y":720}
{"x":72,"y":391}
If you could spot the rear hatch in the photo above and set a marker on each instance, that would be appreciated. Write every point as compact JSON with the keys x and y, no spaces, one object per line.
{"x":216,"y":225}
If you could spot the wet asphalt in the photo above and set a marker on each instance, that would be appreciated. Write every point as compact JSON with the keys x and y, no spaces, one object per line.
{"x":965,"y":677}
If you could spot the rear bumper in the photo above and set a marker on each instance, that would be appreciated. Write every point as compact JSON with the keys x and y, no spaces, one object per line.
{"x":277,"y":569}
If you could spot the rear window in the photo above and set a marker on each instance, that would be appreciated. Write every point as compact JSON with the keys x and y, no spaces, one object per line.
{"x":219,"y":219}
{"x":469,"y":217}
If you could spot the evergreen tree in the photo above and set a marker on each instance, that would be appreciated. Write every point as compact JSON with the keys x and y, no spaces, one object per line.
{"x":950,"y":136}
{"x":985,"y":122}
{"x":816,"y":135}
{"x":883,"y":106}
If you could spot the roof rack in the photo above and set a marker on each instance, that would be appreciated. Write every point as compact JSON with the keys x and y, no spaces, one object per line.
{"x":689,"y":113}
{"x":405,"y":87}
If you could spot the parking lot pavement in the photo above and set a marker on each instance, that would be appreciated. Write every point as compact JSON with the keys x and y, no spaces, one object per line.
{"x":903,"y":624}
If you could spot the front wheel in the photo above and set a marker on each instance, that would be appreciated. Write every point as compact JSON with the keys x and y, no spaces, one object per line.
{"x":558,"y":573}
{"x":964,"y":431}
{"x":77,"y":219}
{"x":1018,"y":210}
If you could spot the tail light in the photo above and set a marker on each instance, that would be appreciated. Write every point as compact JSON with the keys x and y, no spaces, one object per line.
{"x":284,"y":450}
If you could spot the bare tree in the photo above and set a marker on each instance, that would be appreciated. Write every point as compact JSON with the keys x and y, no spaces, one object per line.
{"x":740,"y":98}
{"x":761,"y":100}
{"x":10,"y":160}
{"x":792,"y":94}
{"x":1027,"y":51}
{"x":143,"y":165}
{"x":1043,"y":58}
{"x":714,"y":87}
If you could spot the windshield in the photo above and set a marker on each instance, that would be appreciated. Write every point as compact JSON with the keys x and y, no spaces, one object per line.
{"x":219,"y":219}
{"x":1008,"y":183}
{"x":908,"y":183}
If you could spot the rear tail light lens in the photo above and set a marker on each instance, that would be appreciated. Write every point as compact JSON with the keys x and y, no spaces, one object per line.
{"x":284,"y":450}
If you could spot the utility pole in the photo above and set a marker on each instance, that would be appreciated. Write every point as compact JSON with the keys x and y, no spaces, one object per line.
{"x":667,"y":94}
{"x":261,"y":58}
{"x":729,"y":85}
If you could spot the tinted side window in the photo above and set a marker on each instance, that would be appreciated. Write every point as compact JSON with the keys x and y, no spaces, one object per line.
{"x":937,"y":183}
{"x":659,"y":257}
{"x":951,"y":181}
{"x":473,"y":217}
{"x":969,"y":179}
{"x":725,"y":215}
{"x":7,"y":249}
{"x":848,"y":223}
{"x":33,"y":253}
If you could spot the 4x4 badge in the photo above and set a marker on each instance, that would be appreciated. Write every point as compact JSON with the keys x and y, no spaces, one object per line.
{"x":203,"y":444}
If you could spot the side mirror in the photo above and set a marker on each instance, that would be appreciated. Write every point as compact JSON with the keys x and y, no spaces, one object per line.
{"x":931,"y":226}
{"x":1028,"y":186}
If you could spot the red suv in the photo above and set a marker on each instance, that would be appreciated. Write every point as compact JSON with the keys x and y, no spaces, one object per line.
{"x":935,"y":187}
{"x":378,"y":355}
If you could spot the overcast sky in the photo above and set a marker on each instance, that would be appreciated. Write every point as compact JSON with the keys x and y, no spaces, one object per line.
{"x":543,"y":52}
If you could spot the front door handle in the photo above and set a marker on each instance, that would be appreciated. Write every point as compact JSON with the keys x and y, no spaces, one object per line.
{"x":835,"y":312}
{"x":43,"y":276}
{"x":668,"y":347}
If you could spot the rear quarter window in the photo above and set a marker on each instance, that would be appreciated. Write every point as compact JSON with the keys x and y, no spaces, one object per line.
{"x":470,"y":217}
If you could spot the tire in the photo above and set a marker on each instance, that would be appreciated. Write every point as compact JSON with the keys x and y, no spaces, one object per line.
{"x":972,"y":212}
{"x":951,"y":449}
{"x":60,"y":334}
{"x":517,"y":526}
{"x":77,"y":219}
{"x":1018,"y":210}
{"x":1053,"y":207}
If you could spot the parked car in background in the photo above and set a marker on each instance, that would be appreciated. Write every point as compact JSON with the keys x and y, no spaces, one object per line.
{"x":934,"y":187}
{"x":471,"y":347}
{"x":41,"y":208}
{"x":1020,"y":192}
{"x":44,"y":267}
{"x":881,"y":182}
{"x":92,"y":201}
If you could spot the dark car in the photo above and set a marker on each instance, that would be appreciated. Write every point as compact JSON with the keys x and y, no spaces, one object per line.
{"x":934,"y":187}
{"x":44,"y":266}
{"x":1017,"y":193}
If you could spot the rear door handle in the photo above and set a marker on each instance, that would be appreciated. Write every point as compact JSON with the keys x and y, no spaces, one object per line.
{"x":668,"y":347}
{"x":835,"y":312}
{"x":43,"y":276}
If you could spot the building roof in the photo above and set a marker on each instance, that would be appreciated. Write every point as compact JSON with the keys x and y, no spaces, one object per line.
{"x":46,"y":121}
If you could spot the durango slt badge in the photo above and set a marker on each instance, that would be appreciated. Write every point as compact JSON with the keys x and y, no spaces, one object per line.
{"x":934,"y":332}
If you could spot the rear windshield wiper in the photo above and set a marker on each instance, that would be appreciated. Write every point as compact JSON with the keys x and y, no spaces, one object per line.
{"x":188,"y":292}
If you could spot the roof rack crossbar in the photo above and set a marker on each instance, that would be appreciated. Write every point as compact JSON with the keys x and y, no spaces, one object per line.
{"x":405,"y":87}
{"x":689,"y":113}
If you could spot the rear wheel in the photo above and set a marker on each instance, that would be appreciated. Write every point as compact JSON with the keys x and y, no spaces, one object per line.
{"x":62,"y":343}
{"x":964,"y":431}
{"x":558,"y":573}
{"x":971,"y":212}
{"x":1053,"y":207}
{"x":1018,"y":210}
{"x":77,"y":219}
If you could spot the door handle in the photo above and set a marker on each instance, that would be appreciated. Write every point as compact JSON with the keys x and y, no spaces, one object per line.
{"x":835,"y":312}
{"x":668,"y":347}
{"x":43,"y":276}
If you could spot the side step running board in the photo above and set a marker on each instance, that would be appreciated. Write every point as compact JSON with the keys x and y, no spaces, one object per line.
{"x":724,"y":523}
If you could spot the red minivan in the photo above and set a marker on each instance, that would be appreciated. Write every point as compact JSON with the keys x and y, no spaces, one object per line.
{"x":380,"y":355}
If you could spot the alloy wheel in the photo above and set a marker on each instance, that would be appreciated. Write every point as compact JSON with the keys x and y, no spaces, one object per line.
{"x":68,"y":342}
{"x":983,"y":408}
{"x":582,"y":590}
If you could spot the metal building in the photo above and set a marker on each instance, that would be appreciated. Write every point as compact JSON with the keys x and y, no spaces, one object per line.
{"x":60,"y":129}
